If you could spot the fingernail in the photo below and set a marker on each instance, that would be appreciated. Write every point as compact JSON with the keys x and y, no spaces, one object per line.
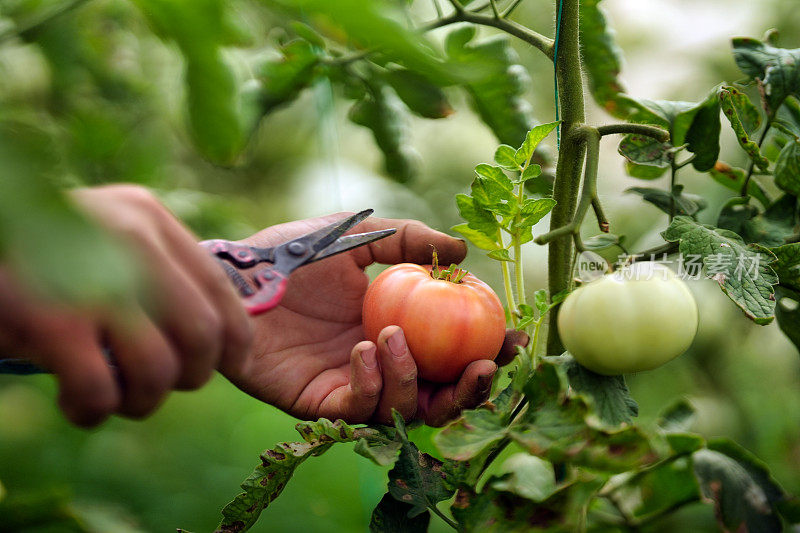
{"x":397,"y":343}
{"x":368,"y":358}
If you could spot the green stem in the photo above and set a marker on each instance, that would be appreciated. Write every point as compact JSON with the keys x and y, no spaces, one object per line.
{"x":535,"y":342}
{"x":443,"y":516}
{"x":672,"y":176}
{"x":751,"y":167}
{"x":494,"y":9}
{"x":518,"y":270}
{"x":535,"y":39}
{"x":638,"y":129}
{"x":512,"y":306}
{"x":510,"y":9}
{"x":570,"y":158}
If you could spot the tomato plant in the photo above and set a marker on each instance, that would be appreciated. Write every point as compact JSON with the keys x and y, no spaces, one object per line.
{"x":590,"y":466}
{"x":450,"y":318}
{"x":634,"y":319}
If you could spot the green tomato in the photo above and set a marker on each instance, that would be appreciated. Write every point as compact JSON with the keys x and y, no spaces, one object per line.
{"x":634,"y":319}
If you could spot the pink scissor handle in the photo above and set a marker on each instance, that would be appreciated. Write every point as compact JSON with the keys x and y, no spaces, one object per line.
{"x":272,"y":287}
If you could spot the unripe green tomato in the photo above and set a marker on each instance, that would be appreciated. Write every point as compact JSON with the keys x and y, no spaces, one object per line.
{"x":634,"y":319}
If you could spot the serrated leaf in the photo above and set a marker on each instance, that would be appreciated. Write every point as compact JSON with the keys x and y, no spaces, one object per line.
{"x":419,"y":93}
{"x":609,"y":395}
{"x":497,"y":93}
{"x":500,"y":254}
{"x":535,"y":209}
{"x":531,"y":172}
{"x":504,"y":156}
{"x":478,"y":218}
{"x":777,"y":68}
{"x":742,"y":272}
{"x":682,"y":203}
{"x":540,"y":300}
{"x":787,"y":313}
{"x":770,"y":228}
{"x":380,"y":453}
{"x":644,"y":150}
{"x":536,"y":135}
{"x":729,"y":98}
{"x":602,"y":59}
{"x":382,"y":112}
{"x":277,"y":467}
{"x":391,"y":516}
{"x":739,"y":103}
{"x":496,"y":175}
{"x":743,"y":493}
{"x":470,"y":435}
{"x":677,"y":418}
{"x":787,"y":168}
{"x":476,"y":237}
{"x":526,"y":476}
{"x":733,"y":178}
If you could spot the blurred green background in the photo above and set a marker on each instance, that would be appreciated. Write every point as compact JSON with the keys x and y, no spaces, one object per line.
{"x":111,"y":92}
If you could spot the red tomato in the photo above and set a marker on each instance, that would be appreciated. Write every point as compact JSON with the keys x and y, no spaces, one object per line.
{"x":447,"y":325}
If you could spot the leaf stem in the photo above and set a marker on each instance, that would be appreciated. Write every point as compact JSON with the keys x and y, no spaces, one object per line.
{"x":638,"y":129}
{"x":495,"y":11}
{"x":751,"y":166}
{"x":443,"y":516}
{"x":512,"y":306}
{"x":510,"y":9}
{"x":438,"y":8}
{"x":535,"y":39}
{"x":602,"y":221}
{"x":672,"y":175}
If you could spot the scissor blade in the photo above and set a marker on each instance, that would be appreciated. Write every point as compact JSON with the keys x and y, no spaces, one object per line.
{"x":322,"y":238}
{"x":349,"y":242}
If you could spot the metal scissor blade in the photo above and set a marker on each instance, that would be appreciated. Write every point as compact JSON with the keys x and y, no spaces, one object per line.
{"x":349,"y":242}
{"x":324,"y":237}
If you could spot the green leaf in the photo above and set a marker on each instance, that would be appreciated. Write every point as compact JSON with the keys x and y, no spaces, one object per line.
{"x":421,"y":95}
{"x":505,"y":157}
{"x":684,"y":204}
{"x":733,"y":179}
{"x":787,"y":265}
{"x":677,"y":418}
{"x":497,"y":91}
{"x":380,"y":453}
{"x":470,"y":435}
{"x":476,"y":237}
{"x":282,"y":80}
{"x":478,"y":217}
{"x":532,"y":140}
{"x":609,"y":395}
{"x":740,"y":104}
{"x":702,"y":136}
{"x":500,"y":254}
{"x":644,"y":172}
{"x":777,"y":68}
{"x":729,"y":98}
{"x":743,"y":272}
{"x":602,"y":59}
{"x":531,"y":172}
{"x":535,"y":209}
{"x":304,"y":31}
{"x":277,"y":467}
{"x":788,"y":118}
{"x":506,"y":512}
{"x":527,"y":476}
{"x":787,"y":168}
{"x":770,"y":228}
{"x":743,"y":493}
{"x":38,"y":223}
{"x":540,"y":300}
{"x":645,"y":150}
{"x":391,"y":516}
{"x":496,"y":176}
{"x":384,"y":115}
{"x":417,"y":478}
{"x":787,"y":313}
{"x":602,"y":241}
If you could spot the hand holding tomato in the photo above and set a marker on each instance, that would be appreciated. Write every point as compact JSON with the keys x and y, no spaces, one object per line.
{"x":310,"y":358}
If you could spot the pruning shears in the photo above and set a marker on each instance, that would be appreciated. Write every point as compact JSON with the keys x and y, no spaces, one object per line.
{"x":267,"y":285}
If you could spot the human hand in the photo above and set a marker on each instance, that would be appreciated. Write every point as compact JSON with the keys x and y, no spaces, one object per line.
{"x":310,"y":358}
{"x":189,"y":323}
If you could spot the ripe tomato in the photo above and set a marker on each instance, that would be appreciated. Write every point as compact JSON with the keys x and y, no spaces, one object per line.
{"x":634,"y":319}
{"x":447,"y":325}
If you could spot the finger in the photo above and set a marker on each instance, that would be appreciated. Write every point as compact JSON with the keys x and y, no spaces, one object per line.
{"x":399,"y":376}
{"x":237,"y":327}
{"x":413,"y":243}
{"x":474,"y":387}
{"x":148,"y":368}
{"x":185,"y":313}
{"x":356,"y":401}
{"x":508,"y":351}
{"x":88,"y":390}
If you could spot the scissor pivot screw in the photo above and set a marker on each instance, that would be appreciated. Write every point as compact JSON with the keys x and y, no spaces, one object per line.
{"x":243,"y":254}
{"x":297,"y":248}
{"x":269,"y":276}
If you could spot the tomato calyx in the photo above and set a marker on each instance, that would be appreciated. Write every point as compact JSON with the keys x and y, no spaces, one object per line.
{"x":453,"y":274}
